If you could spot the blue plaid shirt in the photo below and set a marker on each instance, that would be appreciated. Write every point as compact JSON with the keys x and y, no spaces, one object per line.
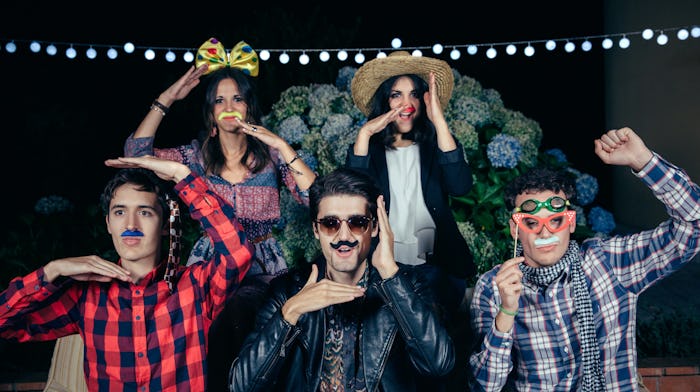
{"x":543,"y":345}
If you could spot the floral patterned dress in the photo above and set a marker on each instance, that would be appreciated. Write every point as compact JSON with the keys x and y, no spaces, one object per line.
{"x":256,"y":201}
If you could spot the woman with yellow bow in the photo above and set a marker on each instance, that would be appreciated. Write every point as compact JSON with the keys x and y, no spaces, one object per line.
{"x":242,"y":161}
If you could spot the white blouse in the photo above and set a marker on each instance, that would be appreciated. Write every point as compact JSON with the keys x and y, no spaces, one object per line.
{"x":410,"y":220}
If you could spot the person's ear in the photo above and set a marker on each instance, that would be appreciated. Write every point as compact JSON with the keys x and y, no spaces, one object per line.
{"x":375,"y":227}
{"x":513,"y":228}
{"x":109,"y":230}
{"x":314,"y":226}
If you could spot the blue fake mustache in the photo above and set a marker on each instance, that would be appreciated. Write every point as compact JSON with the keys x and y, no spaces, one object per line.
{"x":337,"y":245}
{"x":132,"y":233}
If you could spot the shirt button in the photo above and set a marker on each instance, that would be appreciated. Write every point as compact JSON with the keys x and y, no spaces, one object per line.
{"x":140,"y":355}
{"x":568,"y":375}
{"x":139,"y":318}
{"x":551,"y":295}
{"x":138,"y":292}
{"x":566,"y":350}
{"x":556,"y":321}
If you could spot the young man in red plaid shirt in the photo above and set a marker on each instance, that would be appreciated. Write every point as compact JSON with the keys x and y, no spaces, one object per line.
{"x":144,"y":320}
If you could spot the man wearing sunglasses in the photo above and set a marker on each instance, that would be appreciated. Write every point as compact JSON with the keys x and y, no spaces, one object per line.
{"x":354,"y":319}
{"x":560,"y":316}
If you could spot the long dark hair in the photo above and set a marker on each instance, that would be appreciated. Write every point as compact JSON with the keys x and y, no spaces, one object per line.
{"x":212,"y":154}
{"x":423,"y":129}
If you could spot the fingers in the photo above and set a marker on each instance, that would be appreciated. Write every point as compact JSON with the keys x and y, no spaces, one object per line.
{"x":313,"y":276}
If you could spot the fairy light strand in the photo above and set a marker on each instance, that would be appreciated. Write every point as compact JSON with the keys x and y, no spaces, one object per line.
{"x":91,"y":51}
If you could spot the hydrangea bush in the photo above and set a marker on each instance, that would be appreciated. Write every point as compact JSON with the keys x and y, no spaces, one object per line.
{"x":320,"y":121}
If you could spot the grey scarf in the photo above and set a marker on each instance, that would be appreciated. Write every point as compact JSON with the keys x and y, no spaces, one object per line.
{"x":593,"y":379}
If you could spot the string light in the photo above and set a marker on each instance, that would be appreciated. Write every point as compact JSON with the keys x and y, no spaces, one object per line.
{"x":528,"y":48}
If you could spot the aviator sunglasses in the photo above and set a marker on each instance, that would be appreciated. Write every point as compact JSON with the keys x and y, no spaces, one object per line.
{"x":357,"y":224}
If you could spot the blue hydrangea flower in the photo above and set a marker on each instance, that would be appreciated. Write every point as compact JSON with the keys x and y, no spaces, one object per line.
{"x":586,"y":189}
{"x":558,"y":154}
{"x":503,"y":151}
{"x":344,"y":78}
{"x":53,"y":204}
{"x":601,"y":220}
{"x":292,"y":129}
{"x":309,"y":159}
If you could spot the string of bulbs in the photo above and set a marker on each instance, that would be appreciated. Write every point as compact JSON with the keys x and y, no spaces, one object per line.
{"x":284,"y":56}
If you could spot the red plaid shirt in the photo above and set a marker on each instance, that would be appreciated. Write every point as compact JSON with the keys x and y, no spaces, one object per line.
{"x":139,"y":337}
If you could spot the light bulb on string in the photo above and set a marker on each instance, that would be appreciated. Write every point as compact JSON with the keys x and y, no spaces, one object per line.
{"x":112,"y":53}
{"x":11,"y":47}
{"x":149,"y":54}
{"x":569,"y":47}
{"x":624,"y":42}
{"x":417,"y":53}
{"x":550,"y":45}
{"x":304,"y":58}
{"x":284,"y":58}
{"x":455,"y":54}
{"x":511,"y":49}
{"x":491,"y":53}
{"x":342,"y":55}
{"x":437,"y":48}
{"x":607,"y":43}
{"x":189,"y":56}
{"x":396,"y":43}
{"x":381,"y":54}
{"x":91,"y":53}
{"x":51,"y":50}
{"x":71,"y":53}
{"x":648,"y":34}
{"x":264,"y":55}
{"x":129,"y":47}
{"x":529,"y":50}
{"x":359,"y":58}
{"x":586,"y":45}
{"x":682,"y":34}
{"x":324,"y":56}
{"x":662,"y":39}
{"x":35,"y":47}
{"x":695,"y":32}
{"x":472,"y":49}
{"x":170,"y":56}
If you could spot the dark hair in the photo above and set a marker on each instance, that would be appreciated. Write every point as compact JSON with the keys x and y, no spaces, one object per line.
{"x":423,"y":128}
{"x":213,"y":156}
{"x":343,"y":181}
{"x":145,"y":181}
{"x":540,"y":179}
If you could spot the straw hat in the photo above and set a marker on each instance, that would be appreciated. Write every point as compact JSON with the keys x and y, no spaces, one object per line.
{"x":368,"y":78}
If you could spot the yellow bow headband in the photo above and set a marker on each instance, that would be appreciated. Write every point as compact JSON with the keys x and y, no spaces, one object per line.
{"x":242,"y":56}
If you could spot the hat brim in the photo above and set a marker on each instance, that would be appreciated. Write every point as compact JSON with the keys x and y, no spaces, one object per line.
{"x":368,"y":78}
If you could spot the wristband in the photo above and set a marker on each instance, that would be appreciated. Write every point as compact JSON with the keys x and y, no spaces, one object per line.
{"x":163,"y":109}
{"x":507,"y":312}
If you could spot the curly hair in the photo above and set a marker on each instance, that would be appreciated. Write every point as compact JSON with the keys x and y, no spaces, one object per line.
{"x":540,"y":179}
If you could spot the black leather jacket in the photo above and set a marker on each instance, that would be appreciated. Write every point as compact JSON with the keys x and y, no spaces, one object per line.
{"x":403,"y":339}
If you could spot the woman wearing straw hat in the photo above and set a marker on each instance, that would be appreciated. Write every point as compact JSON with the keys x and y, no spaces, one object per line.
{"x":243,"y":162}
{"x":407,"y":147}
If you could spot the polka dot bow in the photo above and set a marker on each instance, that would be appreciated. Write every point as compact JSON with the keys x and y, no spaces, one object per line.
{"x":242,"y":56}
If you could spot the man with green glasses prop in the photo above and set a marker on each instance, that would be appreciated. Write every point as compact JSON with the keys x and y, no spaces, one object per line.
{"x":560,"y":316}
{"x":354,"y":319}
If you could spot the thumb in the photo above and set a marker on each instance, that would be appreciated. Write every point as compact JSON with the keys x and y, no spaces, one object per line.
{"x":313,"y":276}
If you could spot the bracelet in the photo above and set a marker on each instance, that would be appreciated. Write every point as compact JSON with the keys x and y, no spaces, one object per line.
{"x":507,"y":312}
{"x":289,"y":165}
{"x":294,"y":159}
{"x":157,"y":109}
{"x":163,"y":109}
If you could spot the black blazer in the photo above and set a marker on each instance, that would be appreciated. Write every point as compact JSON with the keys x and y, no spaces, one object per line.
{"x":442,"y":174}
